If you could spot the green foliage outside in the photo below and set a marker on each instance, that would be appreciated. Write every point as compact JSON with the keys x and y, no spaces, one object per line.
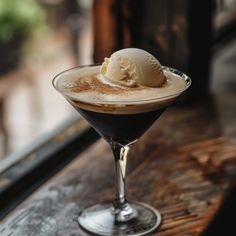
{"x":20,"y":18}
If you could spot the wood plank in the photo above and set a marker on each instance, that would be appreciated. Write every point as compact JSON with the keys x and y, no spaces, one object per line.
{"x":180,"y":166}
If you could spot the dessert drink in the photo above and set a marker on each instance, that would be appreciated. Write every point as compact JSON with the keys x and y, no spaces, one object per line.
{"x":121,"y":99}
{"x":124,"y":96}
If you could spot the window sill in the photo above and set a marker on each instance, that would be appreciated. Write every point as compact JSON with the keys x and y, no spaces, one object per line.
{"x":25,"y":171}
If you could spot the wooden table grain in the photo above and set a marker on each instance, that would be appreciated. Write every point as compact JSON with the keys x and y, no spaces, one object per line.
{"x":183,"y":166}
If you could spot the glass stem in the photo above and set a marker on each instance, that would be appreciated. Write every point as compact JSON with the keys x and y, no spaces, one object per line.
{"x":122,"y":210}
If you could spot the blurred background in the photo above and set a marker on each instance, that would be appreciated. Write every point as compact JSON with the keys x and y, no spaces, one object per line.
{"x":40,"y":38}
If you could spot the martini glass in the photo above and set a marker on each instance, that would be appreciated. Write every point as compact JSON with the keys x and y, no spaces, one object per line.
{"x":120,"y":129}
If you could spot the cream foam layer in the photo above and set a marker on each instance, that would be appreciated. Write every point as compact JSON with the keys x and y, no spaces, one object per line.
{"x":122,"y":100}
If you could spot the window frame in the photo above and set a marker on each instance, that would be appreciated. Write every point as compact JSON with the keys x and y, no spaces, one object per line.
{"x":29,"y":168}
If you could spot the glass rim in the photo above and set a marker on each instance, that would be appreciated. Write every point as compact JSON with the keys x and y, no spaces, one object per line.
{"x":174,"y":71}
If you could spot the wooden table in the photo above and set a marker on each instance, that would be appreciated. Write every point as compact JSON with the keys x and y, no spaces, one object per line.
{"x":182,"y":166}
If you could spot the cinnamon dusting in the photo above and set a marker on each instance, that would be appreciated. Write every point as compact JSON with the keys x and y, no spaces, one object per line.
{"x":92,"y":83}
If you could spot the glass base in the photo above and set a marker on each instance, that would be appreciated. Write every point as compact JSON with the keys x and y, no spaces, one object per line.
{"x":100,"y":220}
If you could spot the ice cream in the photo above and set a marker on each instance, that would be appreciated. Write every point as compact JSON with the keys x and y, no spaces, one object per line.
{"x":130,"y":81}
{"x":133,"y":67}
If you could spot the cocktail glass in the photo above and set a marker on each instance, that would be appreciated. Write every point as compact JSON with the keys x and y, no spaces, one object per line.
{"x":121,"y":130}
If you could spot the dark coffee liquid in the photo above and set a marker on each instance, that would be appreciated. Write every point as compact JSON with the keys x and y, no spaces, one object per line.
{"x":121,"y":128}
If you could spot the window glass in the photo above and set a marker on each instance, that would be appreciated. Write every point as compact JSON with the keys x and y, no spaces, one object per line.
{"x":38,"y":39}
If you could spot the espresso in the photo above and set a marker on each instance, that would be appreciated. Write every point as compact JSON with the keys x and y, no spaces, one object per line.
{"x":118,"y":113}
{"x":122,"y":129}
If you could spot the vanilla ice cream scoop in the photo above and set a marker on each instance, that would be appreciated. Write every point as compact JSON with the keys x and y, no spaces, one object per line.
{"x":133,"y":67}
